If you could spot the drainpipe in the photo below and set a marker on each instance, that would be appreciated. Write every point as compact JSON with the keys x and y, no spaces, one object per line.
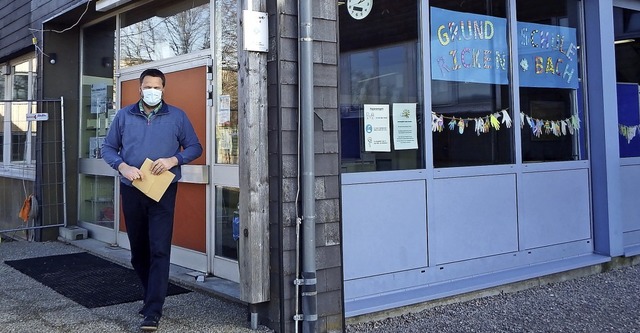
{"x":309,"y":282}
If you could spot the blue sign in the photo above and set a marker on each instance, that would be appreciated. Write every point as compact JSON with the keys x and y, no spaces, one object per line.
{"x":469,"y":47}
{"x":548,"y":56}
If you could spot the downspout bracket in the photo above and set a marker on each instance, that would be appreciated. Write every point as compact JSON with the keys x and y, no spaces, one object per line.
{"x":305,"y":282}
{"x":300,"y":317}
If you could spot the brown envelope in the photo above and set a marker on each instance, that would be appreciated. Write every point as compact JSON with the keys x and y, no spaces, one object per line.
{"x":152,"y":185}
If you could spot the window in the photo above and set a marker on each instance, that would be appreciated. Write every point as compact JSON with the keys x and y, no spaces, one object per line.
{"x":96,"y":191}
{"x":627,"y":36}
{"x":227,"y":115}
{"x":380,"y":97}
{"x":17,"y":90}
{"x":155,"y":33}
{"x":227,"y":222}
{"x":469,"y":84}
{"x":21,"y":81}
{"x":472,"y":108}
{"x":550,"y":85}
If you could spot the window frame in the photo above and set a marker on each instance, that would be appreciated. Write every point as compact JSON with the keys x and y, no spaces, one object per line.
{"x":25,"y":168}
{"x":514,"y":85}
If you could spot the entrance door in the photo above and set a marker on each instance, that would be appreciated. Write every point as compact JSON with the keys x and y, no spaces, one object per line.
{"x":224,"y":173}
{"x":186,"y":88}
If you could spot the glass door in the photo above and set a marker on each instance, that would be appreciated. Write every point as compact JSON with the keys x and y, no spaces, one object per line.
{"x":207,"y":90}
{"x":225,"y":171}
{"x":96,"y":205}
{"x":175,"y":37}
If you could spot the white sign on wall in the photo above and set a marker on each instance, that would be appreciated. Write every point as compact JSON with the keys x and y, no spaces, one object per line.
{"x":256,"y":31}
{"x":37,"y":116}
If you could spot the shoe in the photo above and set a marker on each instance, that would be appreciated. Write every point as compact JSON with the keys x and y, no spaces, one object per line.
{"x":149,"y":324}
{"x":140,"y":313}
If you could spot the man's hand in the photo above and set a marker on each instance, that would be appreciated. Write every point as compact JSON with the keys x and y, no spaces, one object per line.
{"x":163,"y":164}
{"x":129,"y":172}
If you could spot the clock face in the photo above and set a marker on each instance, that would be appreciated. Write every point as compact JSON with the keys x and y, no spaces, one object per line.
{"x":359,"y":9}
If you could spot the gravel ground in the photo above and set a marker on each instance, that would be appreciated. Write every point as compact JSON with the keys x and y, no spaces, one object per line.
{"x":606,"y":302}
{"x":27,"y":306}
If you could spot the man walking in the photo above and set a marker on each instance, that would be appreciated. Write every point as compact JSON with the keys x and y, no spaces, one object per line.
{"x":162,"y":133}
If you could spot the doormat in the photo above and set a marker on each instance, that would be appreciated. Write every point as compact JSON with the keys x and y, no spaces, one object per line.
{"x":86,"y":279}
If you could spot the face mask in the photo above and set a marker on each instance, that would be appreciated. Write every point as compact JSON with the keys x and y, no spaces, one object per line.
{"x":152,"y":97}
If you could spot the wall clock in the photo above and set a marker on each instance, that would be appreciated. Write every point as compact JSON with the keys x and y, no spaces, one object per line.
{"x":359,"y":9}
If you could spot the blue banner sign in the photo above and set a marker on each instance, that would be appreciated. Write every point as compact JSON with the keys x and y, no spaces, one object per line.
{"x":548,"y":56}
{"x":469,"y":47}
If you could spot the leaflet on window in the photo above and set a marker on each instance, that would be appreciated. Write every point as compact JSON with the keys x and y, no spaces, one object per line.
{"x":224,"y":110}
{"x":98,"y":98}
{"x":405,"y":129}
{"x":376,"y":128}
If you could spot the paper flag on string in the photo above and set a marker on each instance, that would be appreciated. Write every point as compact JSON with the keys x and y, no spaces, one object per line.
{"x":492,"y":120}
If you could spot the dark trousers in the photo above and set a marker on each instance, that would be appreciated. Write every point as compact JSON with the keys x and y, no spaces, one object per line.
{"x":149,"y":228}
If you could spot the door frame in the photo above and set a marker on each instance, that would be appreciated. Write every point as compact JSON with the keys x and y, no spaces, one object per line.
{"x":180,"y":256}
{"x":217,"y":174}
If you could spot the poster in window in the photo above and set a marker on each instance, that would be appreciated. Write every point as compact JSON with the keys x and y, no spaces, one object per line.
{"x":376,"y":128}
{"x":224,"y":110}
{"x":405,"y":128}
{"x":468,"y":47}
{"x":98,"y":98}
{"x":548,"y":56}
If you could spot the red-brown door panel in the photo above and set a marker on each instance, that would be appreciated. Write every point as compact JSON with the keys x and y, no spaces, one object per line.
{"x":186,"y":89}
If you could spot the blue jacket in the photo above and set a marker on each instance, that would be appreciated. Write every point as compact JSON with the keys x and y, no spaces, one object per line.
{"x":132,"y":138}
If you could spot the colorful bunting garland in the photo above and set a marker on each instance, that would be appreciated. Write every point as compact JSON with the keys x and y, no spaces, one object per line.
{"x":484,"y":124}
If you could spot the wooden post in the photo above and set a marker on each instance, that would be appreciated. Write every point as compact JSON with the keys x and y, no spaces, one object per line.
{"x":253,"y":163}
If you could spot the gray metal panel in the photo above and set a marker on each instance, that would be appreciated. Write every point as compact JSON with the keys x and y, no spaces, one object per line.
{"x":95,"y":166}
{"x":403,"y":297}
{"x":374,"y":286}
{"x":381,"y":177}
{"x":629,"y":187}
{"x":195,"y":174}
{"x":383,"y":228}
{"x":472,"y":217}
{"x":628,"y":4}
{"x":554,"y":207}
{"x":631,"y":239}
{"x":105,"y":5}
